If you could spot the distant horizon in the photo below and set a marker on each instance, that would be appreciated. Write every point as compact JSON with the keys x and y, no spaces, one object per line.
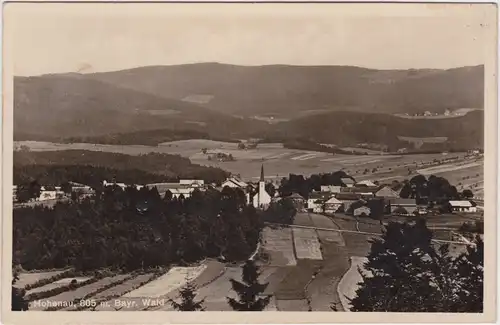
{"x":244,"y":65}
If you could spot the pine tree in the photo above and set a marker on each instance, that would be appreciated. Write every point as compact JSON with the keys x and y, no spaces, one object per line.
{"x":249,"y":291}
{"x":408,"y":274}
{"x":187,"y":295}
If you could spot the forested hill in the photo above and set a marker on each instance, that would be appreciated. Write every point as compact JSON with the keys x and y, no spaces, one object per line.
{"x":58,"y":106}
{"x":348,"y":128}
{"x":285,"y":90}
{"x":91,"y":167}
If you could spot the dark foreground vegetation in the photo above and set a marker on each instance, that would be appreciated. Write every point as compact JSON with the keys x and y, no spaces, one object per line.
{"x":409,"y":274}
{"x":133,"y":229}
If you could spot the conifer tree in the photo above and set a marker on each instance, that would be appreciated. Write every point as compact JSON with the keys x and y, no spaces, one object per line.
{"x":249,"y":290}
{"x":187,"y":303}
{"x":406,"y":273}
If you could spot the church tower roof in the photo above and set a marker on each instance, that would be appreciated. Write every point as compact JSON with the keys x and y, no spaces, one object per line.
{"x":262,"y":173}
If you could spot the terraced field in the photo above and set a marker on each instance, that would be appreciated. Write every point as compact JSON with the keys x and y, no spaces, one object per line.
{"x":306,"y":269}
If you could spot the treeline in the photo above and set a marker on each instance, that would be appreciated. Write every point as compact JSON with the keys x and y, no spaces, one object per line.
{"x":303,"y":144}
{"x":432,"y":190}
{"x":89,"y":175}
{"x":147,"y":137}
{"x":130,"y":229}
{"x":305,"y":185}
{"x":88,"y":167}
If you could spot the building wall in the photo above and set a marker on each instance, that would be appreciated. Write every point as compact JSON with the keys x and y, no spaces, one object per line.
{"x":332,"y":208}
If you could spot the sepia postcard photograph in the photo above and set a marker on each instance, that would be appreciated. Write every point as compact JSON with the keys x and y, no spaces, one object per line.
{"x":301,"y":162}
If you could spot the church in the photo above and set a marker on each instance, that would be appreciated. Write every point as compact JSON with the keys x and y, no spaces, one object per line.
{"x":261,"y":199}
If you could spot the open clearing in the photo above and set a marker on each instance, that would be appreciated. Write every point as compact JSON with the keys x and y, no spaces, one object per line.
{"x":349,"y":283}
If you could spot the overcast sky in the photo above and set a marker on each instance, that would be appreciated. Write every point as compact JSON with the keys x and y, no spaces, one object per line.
{"x":54,"y":38}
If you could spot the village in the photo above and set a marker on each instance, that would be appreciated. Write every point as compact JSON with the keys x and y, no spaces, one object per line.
{"x":359,"y":199}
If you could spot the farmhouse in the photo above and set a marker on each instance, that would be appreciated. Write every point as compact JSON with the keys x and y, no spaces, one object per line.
{"x":316,"y":201}
{"x":330,"y":188}
{"x":332,"y":205}
{"x":261,"y":199}
{"x":363,"y":211}
{"x":462,"y":206}
{"x":233,"y":182}
{"x":347,"y":199}
{"x":403,"y":206}
{"x":185,"y":187}
{"x":81,"y":190}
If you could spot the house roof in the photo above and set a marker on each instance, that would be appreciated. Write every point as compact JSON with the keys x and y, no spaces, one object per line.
{"x":347,"y":180}
{"x":333,"y":200}
{"x":464,"y":204}
{"x":236,"y":181}
{"x":360,"y":189}
{"x":403,"y":202}
{"x":320,"y":195}
{"x":386,"y":191}
{"x":366,"y":183}
{"x":364,"y":207}
{"x":348,"y":196}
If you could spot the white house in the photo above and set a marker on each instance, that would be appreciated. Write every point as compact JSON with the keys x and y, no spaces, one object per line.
{"x":462,"y":206}
{"x":332,"y":205}
{"x":316,"y":200}
{"x":331,"y":189}
{"x":261,"y":199}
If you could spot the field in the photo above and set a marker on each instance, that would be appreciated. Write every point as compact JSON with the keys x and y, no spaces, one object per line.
{"x":31,"y":278}
{"x":70,"y":296}
{"x":279,"y":161}
{"x":278,"y":244}
{"x":174,"y":278}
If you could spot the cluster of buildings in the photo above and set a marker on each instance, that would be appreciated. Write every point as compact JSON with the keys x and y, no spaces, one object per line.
{"x":355,"y":198}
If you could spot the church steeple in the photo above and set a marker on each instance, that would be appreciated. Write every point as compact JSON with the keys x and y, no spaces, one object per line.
{"x":262,"y":173}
